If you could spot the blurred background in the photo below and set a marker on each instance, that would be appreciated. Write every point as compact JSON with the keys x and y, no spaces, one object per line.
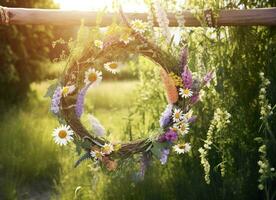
{"x":129,"y":106}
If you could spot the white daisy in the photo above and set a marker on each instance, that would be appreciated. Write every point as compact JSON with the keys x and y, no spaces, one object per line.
{"x":182,"y":148}
{"x":97,"y":155}
{"x":185,"y":93}
{"x":138,"y":25}
{"x":66,"y":90}
{"x":62,"y":135}
{"x":187,"y":147}
{"x":177,"y":115}
{"x":183,"y":128}
{"x":107,"y":149}
{"x":113,"y":67}
{"x":179,"y":148}
{"x":99,"y":44}
{"x":93,"y":77}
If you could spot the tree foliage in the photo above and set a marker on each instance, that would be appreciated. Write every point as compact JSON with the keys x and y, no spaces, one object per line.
{"x":22,"y":51}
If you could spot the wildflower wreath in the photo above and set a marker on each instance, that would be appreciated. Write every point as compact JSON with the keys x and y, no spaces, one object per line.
{"x":109,"y":50}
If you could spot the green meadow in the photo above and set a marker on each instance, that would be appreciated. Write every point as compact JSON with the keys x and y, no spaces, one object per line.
{"x":29,"y":157}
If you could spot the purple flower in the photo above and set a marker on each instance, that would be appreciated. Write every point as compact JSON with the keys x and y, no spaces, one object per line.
{"x":207,"y":78}
{"x":187,"y":78}
{"x":192,"y":119}
{"x":169,"y":136}
{"x":56,"y":100}
{"x":164,"y":156}
{"x":195,"y":98}
{"x":166,"y":116}
{"x":184,"y":58}
{"x":80,"y":100}
{"x":186,"y":74}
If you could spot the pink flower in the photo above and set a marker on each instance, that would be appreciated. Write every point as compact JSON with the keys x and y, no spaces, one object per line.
{"x":195,"y":98}
{"x":187,"y":78}
{"x":169,"y":136}
{"x":184,"y":58}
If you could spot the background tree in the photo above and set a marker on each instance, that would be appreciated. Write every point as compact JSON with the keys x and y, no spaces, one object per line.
{"x":23,"y":52}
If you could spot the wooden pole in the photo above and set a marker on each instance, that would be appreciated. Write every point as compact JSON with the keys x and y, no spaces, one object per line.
{"x":23,"y":16}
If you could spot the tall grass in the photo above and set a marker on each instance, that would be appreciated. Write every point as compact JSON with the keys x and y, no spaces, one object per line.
{"x":28,"y":156}
{"x":27,"y":153}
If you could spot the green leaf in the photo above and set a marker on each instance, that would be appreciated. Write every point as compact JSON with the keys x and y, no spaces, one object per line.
{"x":258,"y":139}
{"x":82,"y":158}
{"x":157,"y":149}
{"x":86,"y":144}
{"x":171,"y":41}
{"x":78,"y":146}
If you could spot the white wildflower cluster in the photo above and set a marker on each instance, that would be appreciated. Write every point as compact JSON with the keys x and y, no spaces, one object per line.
{"x":220,"y":121}
{"x":139,"y":26}
{"x":266,"y":109}
{"x":265,"y":170}
{"x":222,"y":166}
{"x":162,"y":19}
{"x":205,"y":163}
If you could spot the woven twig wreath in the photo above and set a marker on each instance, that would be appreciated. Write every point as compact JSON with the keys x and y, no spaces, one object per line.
{"x":84,"y":72}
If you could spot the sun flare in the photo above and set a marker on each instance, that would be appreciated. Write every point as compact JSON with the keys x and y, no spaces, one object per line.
{"x":83,"y":4}
{"x":95,"y":5}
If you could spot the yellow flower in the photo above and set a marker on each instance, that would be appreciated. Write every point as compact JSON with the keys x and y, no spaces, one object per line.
{"x":176,"y":79}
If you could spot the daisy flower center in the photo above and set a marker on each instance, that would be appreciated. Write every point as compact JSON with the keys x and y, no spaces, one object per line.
{"x":177,"y":115}
{"x":113,"y":65}
{"x":186,"y":91}
{"x":174,"y":129}
{"x":181,"y":146}
{"x":65,"y":90}
{"x":183,"y":128}
{"x":92,"y":77}
{"x":98,"y":155}
{"x":107,"y":149}
{"x":62,"y":134}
